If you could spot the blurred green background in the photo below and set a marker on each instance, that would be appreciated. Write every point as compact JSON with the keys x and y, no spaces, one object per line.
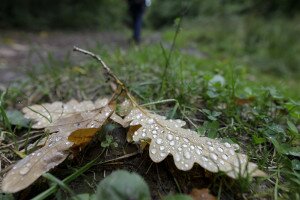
{"x":263,"y":34}
{"x":106,"y":14}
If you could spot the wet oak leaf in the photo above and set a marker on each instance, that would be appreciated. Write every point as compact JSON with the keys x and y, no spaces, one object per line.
{"x":187,"y":147}
{"x":56,"y":148}
{"x":48,"y":113}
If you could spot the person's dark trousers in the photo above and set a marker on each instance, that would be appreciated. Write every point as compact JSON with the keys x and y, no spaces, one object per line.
{"x":137,"y":11}
{"x":137,"y":26}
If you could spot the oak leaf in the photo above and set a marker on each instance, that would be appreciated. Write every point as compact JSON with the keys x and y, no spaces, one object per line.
{"x":67,"y":131}
{"x":187,"y":147}
{"x":48,"y":113}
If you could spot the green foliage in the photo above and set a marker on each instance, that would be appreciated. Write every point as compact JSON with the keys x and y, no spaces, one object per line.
{"x":16,"y":118}
{"x":270,"y":45}
{"x":164,"y":12}
{"x":122,"y":185}
{"x":109,"y":142}
{"x":39,"y":15}
{"x":6,"y":196}
{"x":94,"y":14}
{"x":178,"y":197}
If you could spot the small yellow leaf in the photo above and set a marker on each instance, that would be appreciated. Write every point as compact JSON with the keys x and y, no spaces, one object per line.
{"x":81,"y":137}
{"x":202,"y":194}
{"x":79,"y":70}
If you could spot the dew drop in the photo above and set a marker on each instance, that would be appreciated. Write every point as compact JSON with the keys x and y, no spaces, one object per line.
{"x":24,"y":170}
{"x":150,"y":121}
{"x":220,"y":149}
{"x":186,"y":166}
{"x":198,"y":151}
{"x":177,"y":138}
{"x":236,"y":146}
{"x":38,"y":154}
{"x":231,"y":152}
{"x":209,"y":143}
{"x":179,"y":149}
{"x":205,"y":159}
{"x":177,"y":157}
{"x":192,"y":147}
{"x":172,"y":143}
{"x":184,"y":145}
{"x":224,"y":157}
{"x":170,"y":137}
{"x":153,"y":151}
{"x":143,"y":134}
{"x":222,"y":162}
{"x":93,"y":125}
{"x":214,"y":156}
{"x":187,"y":155}
{"x":211,"y":148}
{"x":154,"y":136}
{"x":154,"y":132}
{"x":159,"y":141}
{"x":162,"y":154}
{"x":50,"y":166}
{"x":186,"y":140}
{"x":227,"y":145}
{"x":161,"y":148}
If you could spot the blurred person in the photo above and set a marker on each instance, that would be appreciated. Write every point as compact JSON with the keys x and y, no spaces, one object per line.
{"x":136,"y":11}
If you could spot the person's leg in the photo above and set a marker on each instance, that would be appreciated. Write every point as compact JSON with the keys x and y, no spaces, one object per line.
{"x":137,"y":26}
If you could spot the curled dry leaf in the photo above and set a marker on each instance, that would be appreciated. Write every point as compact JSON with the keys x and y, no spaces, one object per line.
{"x":187,"y":147}
{"x":202,"y":194}
{"x":79,"y":128}
{"x":48,"y":113}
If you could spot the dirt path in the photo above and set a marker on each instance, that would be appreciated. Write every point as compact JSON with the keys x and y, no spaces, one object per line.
{"x":20,"y":51}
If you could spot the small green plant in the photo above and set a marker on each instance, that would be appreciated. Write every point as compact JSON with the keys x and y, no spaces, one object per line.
{"x":109,"y":142}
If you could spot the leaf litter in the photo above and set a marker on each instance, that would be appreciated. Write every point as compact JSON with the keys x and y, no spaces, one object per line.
{"x":73,"y":124}
{"x":57,"y":146}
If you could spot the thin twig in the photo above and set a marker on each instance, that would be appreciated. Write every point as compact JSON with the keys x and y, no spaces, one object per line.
{"x":106,"y":68}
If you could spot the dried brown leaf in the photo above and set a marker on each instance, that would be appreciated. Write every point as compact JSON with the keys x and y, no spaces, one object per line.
{"x":202,"y":194}
{"x":48,"y":113}
{"x":187,"y":147}
{"x":56,"y":149}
